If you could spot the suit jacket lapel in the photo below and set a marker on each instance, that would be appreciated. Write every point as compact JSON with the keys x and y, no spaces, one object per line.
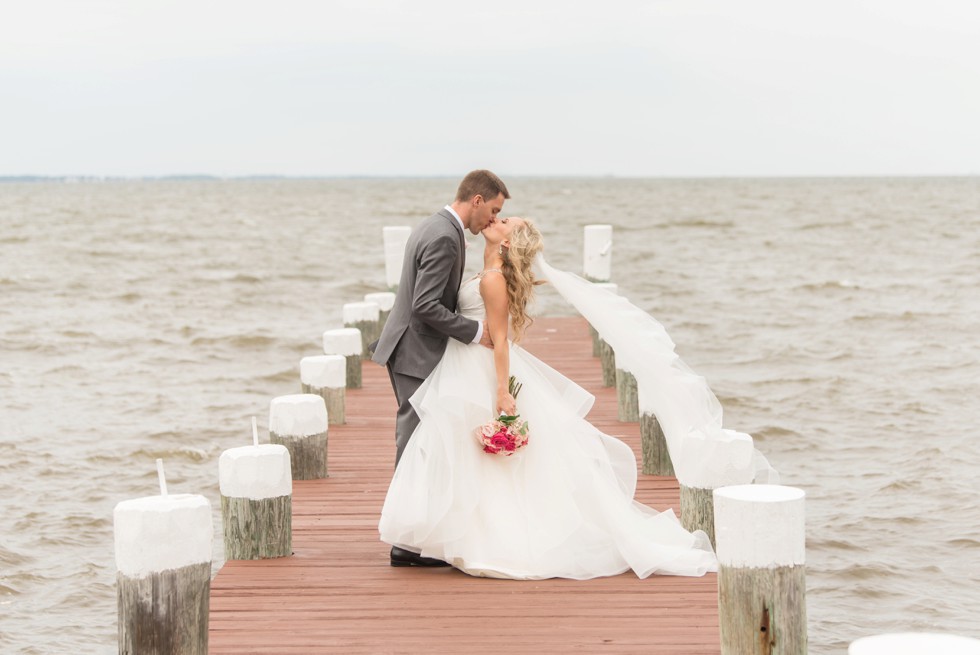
{"x":462,"y":240}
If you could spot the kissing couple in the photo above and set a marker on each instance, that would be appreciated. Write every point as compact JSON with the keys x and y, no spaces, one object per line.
{"x":562,"y":506}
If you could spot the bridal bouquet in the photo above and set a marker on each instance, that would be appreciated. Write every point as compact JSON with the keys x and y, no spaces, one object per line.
{"x":506,"y":434}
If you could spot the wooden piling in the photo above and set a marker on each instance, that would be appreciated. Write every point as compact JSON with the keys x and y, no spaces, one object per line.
{"x":612,"y":288}
{"x":299,"y":422}
{"x":597,"y":252}
{"x":626,"y":396}
{"x":326,"y":376}
{"x":607,"y":358}
{"x":653,"y":444}
{"x":346,"y":342}
{"x":395,"y":239}
{"x":165,"y":613}
{"x":256,"y":501}
{"x":363,"y":316}
{"x":385,"y":301}
{"x":697,"y":510}
{"x":761,"y":578}
{"x":163,"y":584}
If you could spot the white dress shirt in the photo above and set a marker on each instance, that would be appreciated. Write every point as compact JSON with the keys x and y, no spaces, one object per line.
{"x":479,"y":325}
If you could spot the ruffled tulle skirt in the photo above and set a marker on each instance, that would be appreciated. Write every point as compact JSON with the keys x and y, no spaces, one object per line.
{"x":562,"y":507}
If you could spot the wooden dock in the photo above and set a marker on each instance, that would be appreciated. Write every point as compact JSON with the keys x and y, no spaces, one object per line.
{"x":337,"y":593}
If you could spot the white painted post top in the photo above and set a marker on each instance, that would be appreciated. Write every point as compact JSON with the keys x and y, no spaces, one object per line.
{"x":298,"y":415}
{"x":342,"y":341}
{"x":324,"y":371}
{"x":395,"y":239}
{"x":161,"y":533}
{"x":385,"y":299}
{"x":915,"y":643}
{"x":760,"y":526}
{"x":723,"y":458}
{"x":255,"y":472}
{"x":355,"y":312}
{"x":597,"y":255}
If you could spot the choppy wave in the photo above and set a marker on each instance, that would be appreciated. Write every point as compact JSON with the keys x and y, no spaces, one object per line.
{"x":236,"y":341}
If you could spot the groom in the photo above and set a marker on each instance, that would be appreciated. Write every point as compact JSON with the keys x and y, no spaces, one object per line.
{"x":424,"y":314}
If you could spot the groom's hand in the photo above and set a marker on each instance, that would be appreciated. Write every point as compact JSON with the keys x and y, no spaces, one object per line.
{"x":485,"y":339}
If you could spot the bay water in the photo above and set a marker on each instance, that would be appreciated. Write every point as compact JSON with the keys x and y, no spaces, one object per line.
{"x":837,"y":320}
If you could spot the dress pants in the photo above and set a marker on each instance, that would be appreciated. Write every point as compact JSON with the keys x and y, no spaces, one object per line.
{"x":406,"y":420}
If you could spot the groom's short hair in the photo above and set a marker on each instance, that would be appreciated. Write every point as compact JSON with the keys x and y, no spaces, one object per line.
{"x":481,"y":183}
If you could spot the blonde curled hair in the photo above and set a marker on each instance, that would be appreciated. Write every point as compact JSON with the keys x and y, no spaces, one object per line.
{"x":525,"y":244}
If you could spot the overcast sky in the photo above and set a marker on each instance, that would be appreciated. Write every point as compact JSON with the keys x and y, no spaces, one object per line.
{"x":437,"y":87}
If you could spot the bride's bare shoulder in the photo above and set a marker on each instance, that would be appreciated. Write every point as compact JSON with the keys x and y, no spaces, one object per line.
{"x":492,"y":281}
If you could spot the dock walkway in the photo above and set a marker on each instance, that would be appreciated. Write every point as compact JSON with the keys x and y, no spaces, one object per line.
{"x":337,"y":593}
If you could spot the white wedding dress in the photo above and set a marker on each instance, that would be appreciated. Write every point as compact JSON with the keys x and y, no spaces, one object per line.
{"x":562,"y":507}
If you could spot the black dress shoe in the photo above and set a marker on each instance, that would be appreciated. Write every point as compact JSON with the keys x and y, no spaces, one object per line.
{"x":402,"y":557}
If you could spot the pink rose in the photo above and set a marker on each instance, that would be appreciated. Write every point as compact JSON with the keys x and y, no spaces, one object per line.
{"x":499,"y":440}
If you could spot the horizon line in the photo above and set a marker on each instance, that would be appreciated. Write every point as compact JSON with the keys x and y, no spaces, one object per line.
{"x":363,"y":176}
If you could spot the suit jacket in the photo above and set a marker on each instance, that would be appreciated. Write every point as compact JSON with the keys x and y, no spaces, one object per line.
{"x":424,"y":314}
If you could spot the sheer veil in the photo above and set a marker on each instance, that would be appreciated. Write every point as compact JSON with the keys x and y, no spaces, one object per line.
{"x":705,"y":455}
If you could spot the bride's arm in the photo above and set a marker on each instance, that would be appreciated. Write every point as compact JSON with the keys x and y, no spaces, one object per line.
{"x":493,"y":288}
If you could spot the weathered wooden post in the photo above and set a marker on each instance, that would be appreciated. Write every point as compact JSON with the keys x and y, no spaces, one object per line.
{"x":363,"y":316}
{"x":256,"y":486}
{"x":628,"y":356}
{"x":627,"y":400}
{"x":299,"y":422}
{"x":597,"y":253}
{"x":723,"y":462}
{"x":761,"y":535}
{"x":596,"y":339}
{"x":395,"y":240}
{"x":607,"y":359}
{"x":326,"y":376}
{"x":385,"y":300}
{"x":697,"y":510}
{"x":622,"y":309}
{"x":346,"y":342}
{"x":163,"y":554}
{"x":915,"y":643}
{"x":653,"y":442}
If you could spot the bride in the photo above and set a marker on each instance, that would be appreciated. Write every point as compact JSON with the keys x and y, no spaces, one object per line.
{"x":562,"y":506}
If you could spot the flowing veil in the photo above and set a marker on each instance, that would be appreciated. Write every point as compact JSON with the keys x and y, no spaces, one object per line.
{"x":704,"y":454}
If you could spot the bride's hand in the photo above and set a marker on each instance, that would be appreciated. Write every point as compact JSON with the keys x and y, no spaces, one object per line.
{"x":486,"y":340}
{"x":506,"y":403}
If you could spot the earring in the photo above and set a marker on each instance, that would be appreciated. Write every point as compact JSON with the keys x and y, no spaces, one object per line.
{"x":500,"y":249}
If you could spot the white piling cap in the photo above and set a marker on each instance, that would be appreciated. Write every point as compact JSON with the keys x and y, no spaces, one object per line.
{"x":355,"y":312}
{"x":915,"y":643}
{"x":324,"y":371}
{"x":298,"y":415}
{"x":597,"y":262}
{"x":395,"y":239}
{"x":724,"y":458}
{"x":760,"y":526}
{"x":161,"y":533}
{"x":385,"y":299}
{"x":342,"y":341}
{"x":255,"y":472}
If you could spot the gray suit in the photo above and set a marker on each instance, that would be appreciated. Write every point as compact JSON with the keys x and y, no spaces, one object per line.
{"x":424,"y":314}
